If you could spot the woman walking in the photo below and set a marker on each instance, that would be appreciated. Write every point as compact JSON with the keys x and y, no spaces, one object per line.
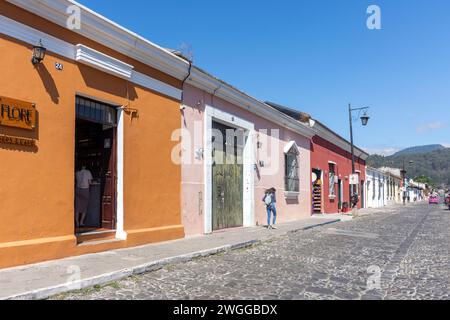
{"x":270,"y":201}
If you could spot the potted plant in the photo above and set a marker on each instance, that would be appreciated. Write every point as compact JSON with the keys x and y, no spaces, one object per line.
{"x":345,"y":207}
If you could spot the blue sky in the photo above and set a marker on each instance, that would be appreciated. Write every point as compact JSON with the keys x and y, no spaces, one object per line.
{"x":317,"y":56}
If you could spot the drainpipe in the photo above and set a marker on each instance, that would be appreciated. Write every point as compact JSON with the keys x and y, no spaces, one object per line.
{"x":184,"y":81}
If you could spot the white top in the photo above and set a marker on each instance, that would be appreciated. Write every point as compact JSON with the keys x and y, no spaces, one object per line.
{"x":83,"y":179}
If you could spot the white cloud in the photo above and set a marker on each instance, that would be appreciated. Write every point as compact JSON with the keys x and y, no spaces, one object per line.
{"x":381,"y":151}
{"x":447,"y":145}
{"x":430,"y":126}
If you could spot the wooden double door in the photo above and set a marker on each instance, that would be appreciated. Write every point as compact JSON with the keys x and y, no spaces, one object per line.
{"x":227,"y":177}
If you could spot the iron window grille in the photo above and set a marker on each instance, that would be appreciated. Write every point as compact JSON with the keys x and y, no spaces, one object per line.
{"x":292,"y":181}
{"x":94,"y":111}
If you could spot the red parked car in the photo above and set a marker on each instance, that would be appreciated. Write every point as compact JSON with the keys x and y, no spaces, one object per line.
{"x":434,"y":199}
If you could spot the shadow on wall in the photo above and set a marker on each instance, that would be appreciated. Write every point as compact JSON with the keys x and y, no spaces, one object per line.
{"x":49,"y":83}
{"x":109,"y":84}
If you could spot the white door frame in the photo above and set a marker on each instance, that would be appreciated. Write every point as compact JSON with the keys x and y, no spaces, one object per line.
{"x":213,"y":114}
{"x":120,"y":211}
{"x":120,"y":138}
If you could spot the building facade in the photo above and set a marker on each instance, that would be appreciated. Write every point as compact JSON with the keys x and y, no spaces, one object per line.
{"x":331,"y":168}
{"x":171,"y":150}
{"x":103,"y":98}
{"x":273,"y":152}
{"x":377,"y":188}
{"x":384,"y":187}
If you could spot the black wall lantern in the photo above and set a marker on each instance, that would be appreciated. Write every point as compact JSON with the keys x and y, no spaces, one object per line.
{"x":39,"y":52}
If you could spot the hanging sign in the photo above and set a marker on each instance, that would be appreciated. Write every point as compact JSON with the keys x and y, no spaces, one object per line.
{"x":4,"y":139}
{"x":18,"y":114}
{"x":354,"y":179}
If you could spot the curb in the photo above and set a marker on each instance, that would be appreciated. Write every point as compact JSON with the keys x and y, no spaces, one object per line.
{"x":44,"y":293}
{"x":317,"y":225}
{"x":106,"y":278}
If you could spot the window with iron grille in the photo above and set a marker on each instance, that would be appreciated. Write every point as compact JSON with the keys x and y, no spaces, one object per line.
{"x":94,"y":111}
{"x":291,"y":174}
{"x":332,"y":180}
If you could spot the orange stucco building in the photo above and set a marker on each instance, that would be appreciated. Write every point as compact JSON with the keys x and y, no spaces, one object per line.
{"x":99,"y":68}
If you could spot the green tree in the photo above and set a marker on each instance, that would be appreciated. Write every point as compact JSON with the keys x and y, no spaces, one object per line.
{"x":425,"y":179}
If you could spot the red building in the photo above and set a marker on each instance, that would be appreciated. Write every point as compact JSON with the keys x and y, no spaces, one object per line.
{"x":331,"y":167}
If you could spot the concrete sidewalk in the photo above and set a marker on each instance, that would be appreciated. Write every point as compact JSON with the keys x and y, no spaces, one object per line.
{"x":40,"y":281}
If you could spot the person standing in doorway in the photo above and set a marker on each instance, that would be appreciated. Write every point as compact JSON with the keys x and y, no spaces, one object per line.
{"x":83,"y":179}
{"x":270,"y":201}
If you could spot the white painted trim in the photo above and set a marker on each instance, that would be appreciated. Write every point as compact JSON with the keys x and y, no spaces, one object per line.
{"x":85,"y":55}
{"x":212,"y":114}
{"x":289,"y":147}
{"x":120,"y":210}
{"x":332,"y":162}
{"x":32,"y":36}
{"x":110,"y":34}
{"x":212,"y":85}
{"x":330,"y":136}
{"x":156,"y":85}
{"x":102,"y":62}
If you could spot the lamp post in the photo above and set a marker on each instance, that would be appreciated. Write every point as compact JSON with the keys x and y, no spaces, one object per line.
{"x":404,"y":180}
{"x":364,"y":121}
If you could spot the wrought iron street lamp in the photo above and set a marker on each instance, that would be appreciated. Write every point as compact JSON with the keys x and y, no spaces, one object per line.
{"x":39,"y":52}
{"x":405,"y":190}
{"x":364,"y":121}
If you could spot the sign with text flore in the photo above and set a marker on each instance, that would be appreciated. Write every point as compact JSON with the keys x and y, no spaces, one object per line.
{"x":18,"y":114}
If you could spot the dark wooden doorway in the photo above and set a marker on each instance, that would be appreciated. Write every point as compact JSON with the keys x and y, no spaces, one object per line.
{"x":227,"y":177}
{"x":96,"y":147}
{"x":109,"y":179}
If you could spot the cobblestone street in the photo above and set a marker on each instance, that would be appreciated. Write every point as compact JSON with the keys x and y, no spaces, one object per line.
{"x":401,"y":253}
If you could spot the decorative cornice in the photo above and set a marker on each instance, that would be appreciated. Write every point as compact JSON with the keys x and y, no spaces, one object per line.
{"x":104,"y":31}
{"x":103,"y":62}
{"x":112,"y":35}
{"x":85,"y":55}
{"x":220,"y":89}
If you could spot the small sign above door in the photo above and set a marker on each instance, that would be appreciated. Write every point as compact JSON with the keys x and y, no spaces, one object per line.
{"x":18,"y":114}
{"x":354,"y":179}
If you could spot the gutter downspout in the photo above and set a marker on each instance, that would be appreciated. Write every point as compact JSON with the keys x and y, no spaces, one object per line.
{"x":184,"y":81}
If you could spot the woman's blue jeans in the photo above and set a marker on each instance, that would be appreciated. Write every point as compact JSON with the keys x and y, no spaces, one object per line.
{"x":271,"y":209}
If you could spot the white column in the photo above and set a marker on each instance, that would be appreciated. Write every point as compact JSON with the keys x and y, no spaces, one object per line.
{"x":120,"y":232}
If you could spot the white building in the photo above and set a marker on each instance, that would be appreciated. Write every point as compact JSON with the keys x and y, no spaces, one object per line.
{"x":415,"y":191}
{"x":383,"y":187}
{"x":376,"y":195}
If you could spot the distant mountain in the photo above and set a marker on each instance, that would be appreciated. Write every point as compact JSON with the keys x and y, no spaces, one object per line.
{"x":434,"y":164}
{"x":420,"y":149}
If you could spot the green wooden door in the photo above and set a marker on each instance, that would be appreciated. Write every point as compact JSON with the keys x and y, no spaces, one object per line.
{"x":227,"y":178}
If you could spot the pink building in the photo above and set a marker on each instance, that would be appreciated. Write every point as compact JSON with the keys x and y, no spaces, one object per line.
{"x":261,"y":148}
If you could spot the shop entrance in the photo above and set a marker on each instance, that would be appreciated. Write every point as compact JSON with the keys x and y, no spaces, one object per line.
{"x":95,"y":152}
{"x":317,"y":191}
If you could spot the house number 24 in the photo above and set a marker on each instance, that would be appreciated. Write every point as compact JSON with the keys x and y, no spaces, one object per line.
{"x":59,"y":66}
